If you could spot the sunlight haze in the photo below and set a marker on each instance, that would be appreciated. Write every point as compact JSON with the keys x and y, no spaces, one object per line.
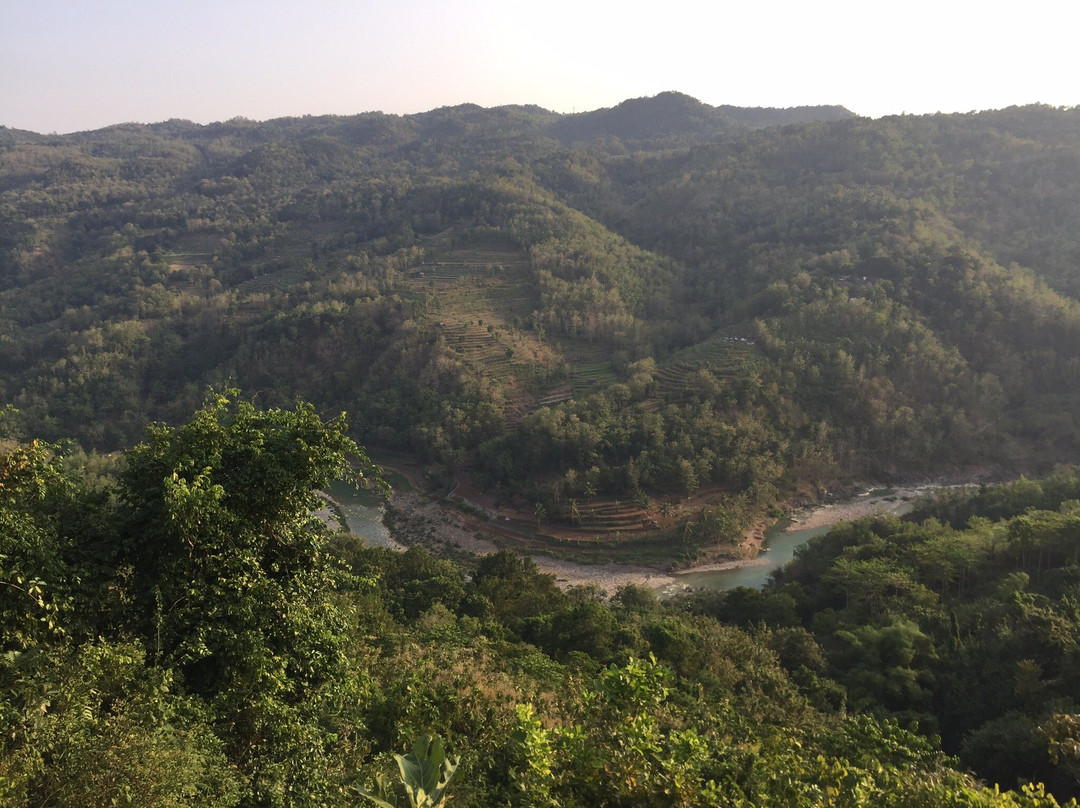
{"x":68,"y":66}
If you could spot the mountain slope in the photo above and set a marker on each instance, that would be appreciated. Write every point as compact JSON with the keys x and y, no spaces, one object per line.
{"x":748,"y":308}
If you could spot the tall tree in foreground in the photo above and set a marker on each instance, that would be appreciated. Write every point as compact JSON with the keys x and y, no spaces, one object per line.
{"x":83,"y":719}
{"x":233,"y":584}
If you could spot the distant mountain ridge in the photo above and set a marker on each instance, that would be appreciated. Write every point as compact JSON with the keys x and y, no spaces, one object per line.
{"x":668,"y":117}
{"x":672,"y":116}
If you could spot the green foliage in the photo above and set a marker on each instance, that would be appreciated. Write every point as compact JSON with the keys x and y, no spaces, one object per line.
{"x":629,"y":745}
{"x":612,"y":755}
{"x":32,"y":573}
{"x":426,"y":774}
{"x":624,"y":306}
{"x":232,"y":584}
{"x":95,"y":726}
{"x":221,"y":657}
{"x":515,"y":587}
{"x":967,"y":632}
{"x":724,"y":303}
{"x":1062,"y":733}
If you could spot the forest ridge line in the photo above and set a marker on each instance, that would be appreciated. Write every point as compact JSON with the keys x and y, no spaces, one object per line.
{"x":628,"y":305}
{"x":665,"y":103}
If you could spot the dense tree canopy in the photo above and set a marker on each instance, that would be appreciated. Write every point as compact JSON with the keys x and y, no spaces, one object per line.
{"x":630,"y":305}
{"x":834,"y":297}
{"x":185,"y":633}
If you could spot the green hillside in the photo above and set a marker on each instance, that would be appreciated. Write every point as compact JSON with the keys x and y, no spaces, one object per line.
{"x":176,"y":629}
{"x":651,"y":300}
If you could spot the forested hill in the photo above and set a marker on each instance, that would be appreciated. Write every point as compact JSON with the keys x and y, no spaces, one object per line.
{"x":677,"y":119}
{"x":184,"y":633}
{"x":631,"y":302}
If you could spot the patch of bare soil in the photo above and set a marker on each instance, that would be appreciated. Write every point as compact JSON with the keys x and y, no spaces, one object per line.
{"x":422,"y":520}
{"x":897,"y":502}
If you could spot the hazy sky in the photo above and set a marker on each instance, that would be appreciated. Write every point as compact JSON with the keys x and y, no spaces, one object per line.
{"x":68,"y":65}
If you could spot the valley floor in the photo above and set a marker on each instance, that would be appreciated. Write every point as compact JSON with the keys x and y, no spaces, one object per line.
{"x":447,"y":531}
{"x":895,"y":501}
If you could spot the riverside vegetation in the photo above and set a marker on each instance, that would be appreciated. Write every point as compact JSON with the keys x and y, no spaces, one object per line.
{"x":593,"y":317}
{"x":182,"y":631}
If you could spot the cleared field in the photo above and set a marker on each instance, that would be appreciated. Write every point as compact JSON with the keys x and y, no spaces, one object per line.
{"x":272,"y":281}
{"x":192,"y":249}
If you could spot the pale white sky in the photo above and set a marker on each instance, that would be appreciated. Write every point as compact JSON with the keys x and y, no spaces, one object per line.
{"x":69,"y":65}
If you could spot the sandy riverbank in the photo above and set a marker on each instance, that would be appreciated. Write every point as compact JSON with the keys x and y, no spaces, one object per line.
{"x":895,"y":501}
{"x":447,"y":531}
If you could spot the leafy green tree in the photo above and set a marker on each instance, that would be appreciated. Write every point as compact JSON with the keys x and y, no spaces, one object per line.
{"x":540,"y":512}
{"x":515,"y":587}
{"x":232,"y":582}
{"x":34,"y":585}
{"x":1062,"y":733}
{"x":416,"y":581}
{"x":95,"y":725}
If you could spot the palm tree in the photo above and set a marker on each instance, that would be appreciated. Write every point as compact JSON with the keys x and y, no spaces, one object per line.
{"x":689,"y":529}
{"x":540,"y":512}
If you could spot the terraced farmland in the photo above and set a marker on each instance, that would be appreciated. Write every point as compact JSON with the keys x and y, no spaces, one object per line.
{"x":483,"y":296}
{"x":192,"y":249}
{"x":272,"y":281}
{"x":726,"y":358}
{"x":483,"y":258}
{"x":589,"y":372}
{"x":729,"y":355}
{"x":608,"y":516}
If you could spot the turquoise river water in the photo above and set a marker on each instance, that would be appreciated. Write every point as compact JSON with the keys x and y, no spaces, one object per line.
{"x":363,"y":513}
{"x":781,"y":549}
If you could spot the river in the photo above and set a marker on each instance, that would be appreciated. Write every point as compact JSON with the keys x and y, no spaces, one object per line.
{"x":780,"y":547}
{"x":363,"y":512}
{"x":782,"y":542}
